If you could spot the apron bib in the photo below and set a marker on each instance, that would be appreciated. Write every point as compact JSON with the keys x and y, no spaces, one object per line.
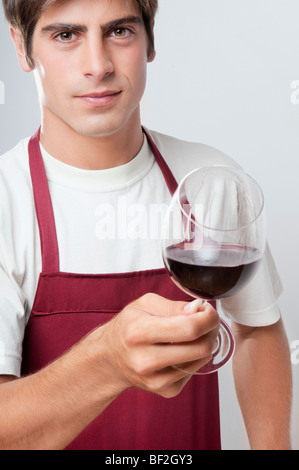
{"x":68,"y":306}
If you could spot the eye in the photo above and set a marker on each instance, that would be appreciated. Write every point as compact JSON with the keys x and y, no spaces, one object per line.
{"x":65,"y":36}
{"x":121,"y":32}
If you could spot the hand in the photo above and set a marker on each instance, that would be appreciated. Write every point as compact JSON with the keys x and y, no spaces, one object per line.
{"x":152,"y":334}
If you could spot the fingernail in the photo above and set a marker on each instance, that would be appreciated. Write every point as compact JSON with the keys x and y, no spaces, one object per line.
{"x":193,"y":306}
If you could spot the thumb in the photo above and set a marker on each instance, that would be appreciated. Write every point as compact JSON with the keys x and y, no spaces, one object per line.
{"x":156,"y":305}
{"x":194,"y":306}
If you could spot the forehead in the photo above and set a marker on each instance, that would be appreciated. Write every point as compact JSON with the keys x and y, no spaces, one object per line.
{"x":87,"y":10}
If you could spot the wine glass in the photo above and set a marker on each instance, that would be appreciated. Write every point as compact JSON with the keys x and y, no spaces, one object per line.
{"x":214,"y":240}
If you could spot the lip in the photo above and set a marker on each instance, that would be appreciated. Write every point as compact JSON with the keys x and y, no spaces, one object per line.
{"x":100,"y":99}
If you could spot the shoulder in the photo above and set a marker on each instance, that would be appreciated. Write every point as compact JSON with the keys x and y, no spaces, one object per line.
{"x":15,"y":181}
{"x":14,"y":165}
{"x":16,"y":157}
{"x":183,"y":156}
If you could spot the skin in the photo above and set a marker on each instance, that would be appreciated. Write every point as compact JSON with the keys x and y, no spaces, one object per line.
{"x":79,"y":63}
{"x":141,"y":344}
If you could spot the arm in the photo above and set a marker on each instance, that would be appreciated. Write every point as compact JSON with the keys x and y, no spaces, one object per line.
{"x":47,"y":410}
{"x":263,"y":380}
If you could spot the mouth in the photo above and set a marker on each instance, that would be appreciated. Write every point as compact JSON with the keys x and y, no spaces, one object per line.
{"x":100,"y":99}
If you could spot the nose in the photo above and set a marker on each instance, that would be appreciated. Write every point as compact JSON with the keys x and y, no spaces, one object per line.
{"x":96,"y":60}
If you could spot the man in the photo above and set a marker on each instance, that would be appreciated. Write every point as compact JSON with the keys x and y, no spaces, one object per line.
{"x":90,"y":321}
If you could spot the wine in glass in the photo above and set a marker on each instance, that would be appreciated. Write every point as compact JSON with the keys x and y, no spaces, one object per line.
{"x":214,"y":240}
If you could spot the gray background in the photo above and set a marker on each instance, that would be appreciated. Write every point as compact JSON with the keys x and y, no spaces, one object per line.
{"x":222,"y":76}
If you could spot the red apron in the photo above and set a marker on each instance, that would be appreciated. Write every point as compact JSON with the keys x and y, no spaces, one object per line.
{"x":68,"y":306}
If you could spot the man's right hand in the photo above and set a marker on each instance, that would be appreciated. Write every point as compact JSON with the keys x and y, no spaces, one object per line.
{"x":137,"y":348}
{"x":152,"y":334}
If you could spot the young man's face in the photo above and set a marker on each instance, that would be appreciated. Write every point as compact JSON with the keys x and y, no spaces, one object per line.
{"x":90,"y":61}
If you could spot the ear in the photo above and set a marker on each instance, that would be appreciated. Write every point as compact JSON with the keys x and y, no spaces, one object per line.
{"x":152,"y":56}
{"x":18,"y":42}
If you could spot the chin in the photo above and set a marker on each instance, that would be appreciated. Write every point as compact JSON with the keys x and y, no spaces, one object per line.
{"x":97,"y":129}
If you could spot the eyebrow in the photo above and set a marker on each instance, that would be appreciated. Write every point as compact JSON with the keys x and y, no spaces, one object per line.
{"x":83,"y":29}
{"x":121,"y":21}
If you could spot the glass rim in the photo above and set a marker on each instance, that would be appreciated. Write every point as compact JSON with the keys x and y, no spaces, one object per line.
{"x":237,"y":170}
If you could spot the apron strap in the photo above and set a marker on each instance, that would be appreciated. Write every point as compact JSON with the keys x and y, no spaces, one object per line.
{"x":43,"y":207}
{"x":43,"y":203}
{"x":167,"y":173}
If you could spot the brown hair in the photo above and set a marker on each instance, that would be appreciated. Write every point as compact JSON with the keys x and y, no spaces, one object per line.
{"x":24,"y":14}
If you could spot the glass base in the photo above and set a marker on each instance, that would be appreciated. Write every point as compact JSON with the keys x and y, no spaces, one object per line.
{"x":222,"y":354}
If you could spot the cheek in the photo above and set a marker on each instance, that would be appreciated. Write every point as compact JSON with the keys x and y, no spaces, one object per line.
{"x":50,"y":79}
{"x":136,"y":70}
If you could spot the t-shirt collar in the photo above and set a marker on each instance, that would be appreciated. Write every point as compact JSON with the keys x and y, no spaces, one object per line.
{"x":111,"y":179}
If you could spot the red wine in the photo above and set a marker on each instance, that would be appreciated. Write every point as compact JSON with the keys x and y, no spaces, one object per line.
{"x":212,"y":272}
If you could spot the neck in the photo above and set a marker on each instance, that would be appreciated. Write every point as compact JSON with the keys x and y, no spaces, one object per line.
{"x":91,"y":153}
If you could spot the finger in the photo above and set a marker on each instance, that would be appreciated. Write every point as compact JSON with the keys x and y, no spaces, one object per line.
{"x":185,"y":353}
{"x":194,"y":367}
{"x":167,"y":383}
{"x":194,"y":307}
{"x":180,"y":328}
{"x":155,"y":305}
{"x":159,"y":357}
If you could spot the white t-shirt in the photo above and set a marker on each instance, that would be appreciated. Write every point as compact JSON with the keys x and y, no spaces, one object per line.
{"x":107,"y":221}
